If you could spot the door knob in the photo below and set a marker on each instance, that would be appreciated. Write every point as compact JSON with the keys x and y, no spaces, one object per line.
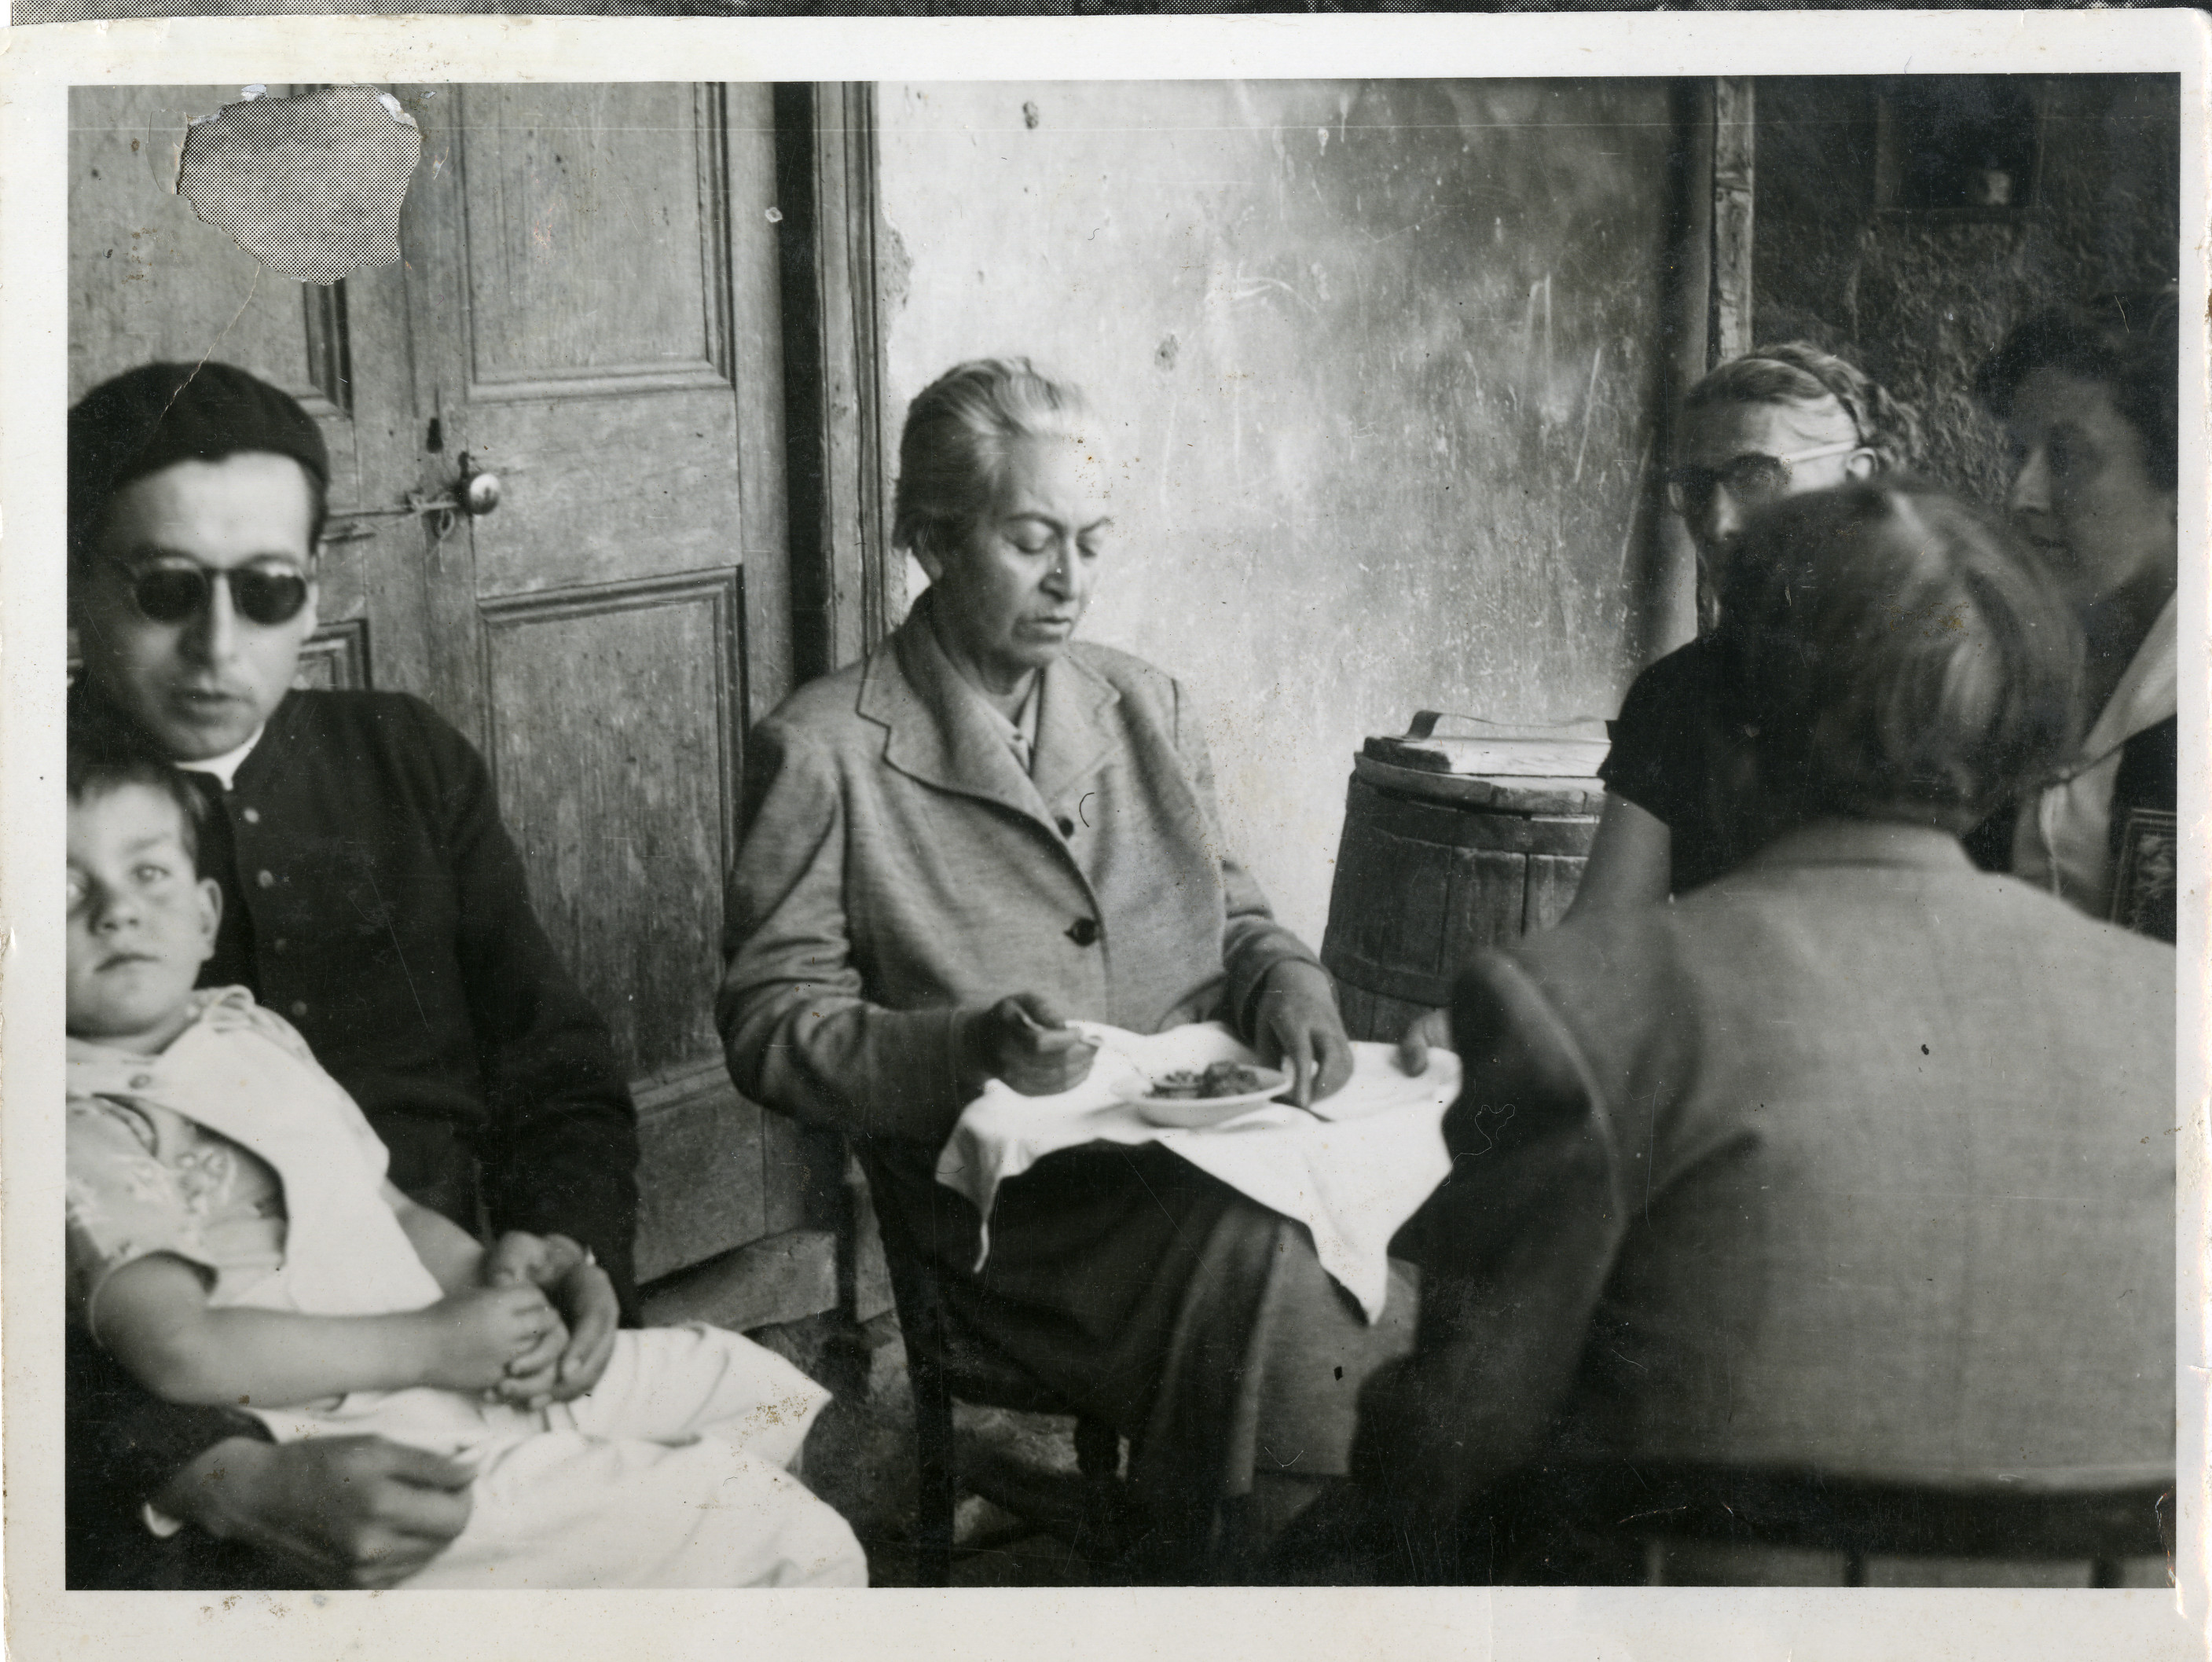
{"x":478,"y":492}
{"x":472,"y":496}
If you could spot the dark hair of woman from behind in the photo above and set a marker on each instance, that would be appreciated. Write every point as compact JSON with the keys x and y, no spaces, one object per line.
{"x":1891,"y":652}
{"x":2129,"y":342}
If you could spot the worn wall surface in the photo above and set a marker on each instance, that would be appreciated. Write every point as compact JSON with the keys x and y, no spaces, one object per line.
{"x":1921,"y":300}
{"x":1377,"y":359}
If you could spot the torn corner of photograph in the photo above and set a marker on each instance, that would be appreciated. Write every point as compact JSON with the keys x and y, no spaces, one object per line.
{"x":311,"y":186}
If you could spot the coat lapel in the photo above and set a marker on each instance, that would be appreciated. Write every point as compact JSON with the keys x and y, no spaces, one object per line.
{"x":937,"y":734}
{"x":1073,"y":736}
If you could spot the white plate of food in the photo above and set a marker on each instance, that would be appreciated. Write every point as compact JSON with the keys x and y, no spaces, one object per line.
{"x":1189,"y":1097}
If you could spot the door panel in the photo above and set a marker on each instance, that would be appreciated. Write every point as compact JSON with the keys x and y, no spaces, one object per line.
{"x":669,"y":505}
{"x":617,"y":722}
{"x":552,"y":170}
{"x":593,"y":288}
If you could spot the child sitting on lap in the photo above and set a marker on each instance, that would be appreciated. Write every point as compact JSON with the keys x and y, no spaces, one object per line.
{"x":233,"y":1239}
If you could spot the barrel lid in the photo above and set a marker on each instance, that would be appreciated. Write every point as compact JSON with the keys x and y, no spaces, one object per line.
{"x":1567,"y":750}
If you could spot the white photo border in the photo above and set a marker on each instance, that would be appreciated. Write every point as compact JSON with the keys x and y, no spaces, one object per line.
{"x":38,"y":67}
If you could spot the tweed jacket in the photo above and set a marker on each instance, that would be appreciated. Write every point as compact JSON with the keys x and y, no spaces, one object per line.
{"x":898,"y":867}
{"x":1855,"y":1161}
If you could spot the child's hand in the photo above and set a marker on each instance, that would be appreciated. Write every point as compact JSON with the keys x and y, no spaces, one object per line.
{"x":477,"y":1334}
{"x":531,"y":1376}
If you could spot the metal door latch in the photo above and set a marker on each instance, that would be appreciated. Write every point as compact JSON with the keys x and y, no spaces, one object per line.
{"x":474,"y":495}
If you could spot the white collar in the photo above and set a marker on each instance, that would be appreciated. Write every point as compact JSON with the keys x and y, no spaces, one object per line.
{"x":225,"y":766}
{"x":2147,"y":692}
{"x":1018,"y":731}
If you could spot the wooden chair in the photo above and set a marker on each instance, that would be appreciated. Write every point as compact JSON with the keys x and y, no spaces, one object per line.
{"x":943,"y":1368}
{"x":1568,"y":1524}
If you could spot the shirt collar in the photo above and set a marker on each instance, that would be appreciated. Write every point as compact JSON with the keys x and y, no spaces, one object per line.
{"x":2147,"y":692}
{"x":225,"y":767}
{"x":1019,"y":733}
{"x":1839,"y":842}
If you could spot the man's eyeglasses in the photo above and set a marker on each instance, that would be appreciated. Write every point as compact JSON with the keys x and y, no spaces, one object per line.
{"x":1750,"y":479}
{"x":171,"y":592}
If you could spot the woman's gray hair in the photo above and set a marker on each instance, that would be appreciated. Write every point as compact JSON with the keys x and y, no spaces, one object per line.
{"x":952,"y":454}
{"x":1799,"y":373}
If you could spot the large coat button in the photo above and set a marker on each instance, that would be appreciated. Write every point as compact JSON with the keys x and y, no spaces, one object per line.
{"x":1083,"y":931}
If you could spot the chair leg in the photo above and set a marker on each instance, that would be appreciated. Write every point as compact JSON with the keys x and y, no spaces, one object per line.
{"x":933,"y":1428}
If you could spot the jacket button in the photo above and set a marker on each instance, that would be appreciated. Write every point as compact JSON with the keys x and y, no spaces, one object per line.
{"x":279,"y":944}
{"x":299,"y":1006}
{"x":252,"y":816}
{"x":267,"y":879}
{"x":1083,"y":931}
{"x":1066,"y":826}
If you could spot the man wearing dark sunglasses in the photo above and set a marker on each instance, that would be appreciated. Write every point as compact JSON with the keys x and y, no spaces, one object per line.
{"x":371,"y":896}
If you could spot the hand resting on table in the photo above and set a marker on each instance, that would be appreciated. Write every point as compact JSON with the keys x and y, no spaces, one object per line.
{"x":1430,"y":1031}
{"x":1296,"y":1027}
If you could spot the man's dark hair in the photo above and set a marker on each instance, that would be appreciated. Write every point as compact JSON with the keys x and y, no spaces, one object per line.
{"x":161,"y":414}
{"x":2130,"y":343}
{"x":98,"y":771}
{"x":1891,"y":652}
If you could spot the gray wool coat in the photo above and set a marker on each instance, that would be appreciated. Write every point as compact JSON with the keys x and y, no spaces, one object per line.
{"x":898,"y":867}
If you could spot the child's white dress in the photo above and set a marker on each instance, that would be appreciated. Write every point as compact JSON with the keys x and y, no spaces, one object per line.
{"x":233,"y":1150}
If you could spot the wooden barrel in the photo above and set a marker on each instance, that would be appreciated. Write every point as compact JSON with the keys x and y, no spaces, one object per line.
{"x":1451,"y":845}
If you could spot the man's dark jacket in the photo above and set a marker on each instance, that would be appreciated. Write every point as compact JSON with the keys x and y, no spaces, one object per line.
{"x":373,"y":899}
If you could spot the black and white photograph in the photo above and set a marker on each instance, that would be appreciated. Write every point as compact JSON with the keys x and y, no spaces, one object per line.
{"x":1251,"y":832}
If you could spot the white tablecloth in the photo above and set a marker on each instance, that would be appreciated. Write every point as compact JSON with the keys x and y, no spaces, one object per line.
{"x":1352,"y":1178}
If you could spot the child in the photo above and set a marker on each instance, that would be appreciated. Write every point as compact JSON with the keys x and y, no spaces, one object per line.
{"x":231,"y":1239}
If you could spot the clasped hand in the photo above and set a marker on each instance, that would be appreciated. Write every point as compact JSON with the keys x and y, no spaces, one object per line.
{"x":485,"y":1336}
{"x":574,"y":1317}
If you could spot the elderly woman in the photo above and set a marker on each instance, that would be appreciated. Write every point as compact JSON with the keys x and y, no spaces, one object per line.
{"x":984,"y":831}
{"x":2087,"y":400}
{"x":1774,"y":1200}
{"x":1770,"y":424}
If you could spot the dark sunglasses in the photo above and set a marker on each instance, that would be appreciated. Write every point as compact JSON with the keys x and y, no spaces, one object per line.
{"x":1750,"y":479}
{"x":172,"y":593}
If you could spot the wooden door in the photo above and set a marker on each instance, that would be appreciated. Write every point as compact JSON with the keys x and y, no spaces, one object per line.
{"x":588,"y":307}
